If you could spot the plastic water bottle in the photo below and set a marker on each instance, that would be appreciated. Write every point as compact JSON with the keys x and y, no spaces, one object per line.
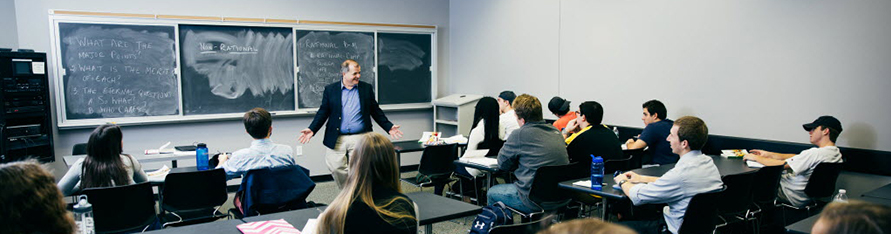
{"x":596,"y":172}
{"x":201,"y":158}
{"x":616,"y":130}
{"x":83,"y":216}
{"x":841,"y":196}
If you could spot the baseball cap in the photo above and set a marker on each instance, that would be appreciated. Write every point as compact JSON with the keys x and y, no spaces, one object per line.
{"x":558,"y":105}
{"x":825,"y":120}
{"x":509,"y":96}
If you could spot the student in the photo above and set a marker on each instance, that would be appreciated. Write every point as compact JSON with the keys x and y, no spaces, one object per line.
{"x":535,"y":144}
{"x":853,"y":217}
{"x":655,"y":117}
{"x":693,"y":174}
{"x":508,"y":118}
{"x":823,"y":132}
{"x":371,"y":200}
{"x":592,"y":137}
{"x":348,"y":107}
{"x":262,"y":153}
{"x":31,"y":201}
{"x":485,"y":133}
{"x":560,"y":107}
{"x":104,"y":165}
{"x":586,"y":226}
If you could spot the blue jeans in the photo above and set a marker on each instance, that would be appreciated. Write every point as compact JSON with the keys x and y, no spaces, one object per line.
{"x":510,"y":196}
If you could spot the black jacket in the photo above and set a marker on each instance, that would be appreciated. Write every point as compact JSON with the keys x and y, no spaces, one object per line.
{"x":332,"y":110}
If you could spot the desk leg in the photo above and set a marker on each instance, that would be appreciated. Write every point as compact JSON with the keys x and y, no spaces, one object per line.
{"x":428,"y":229}
{"x":603,"y":209}
{"x":173,"y":163}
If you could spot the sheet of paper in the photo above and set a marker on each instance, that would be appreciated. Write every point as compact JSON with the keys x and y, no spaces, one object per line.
{"x":475,"y":153}
{"x":489,"y":162}
{"x":310,"y":227}
{"x":754,"y":164}
{"x":158,"y":175}
{"x":583,"y":183}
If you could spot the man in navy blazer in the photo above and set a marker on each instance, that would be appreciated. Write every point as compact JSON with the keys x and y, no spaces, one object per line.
{"x":349,"y":105}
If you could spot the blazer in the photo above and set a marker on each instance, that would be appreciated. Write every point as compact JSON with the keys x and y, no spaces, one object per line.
{"x":331,"y":111}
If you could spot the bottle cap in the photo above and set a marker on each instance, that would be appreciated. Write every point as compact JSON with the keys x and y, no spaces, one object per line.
{"x":202,"y":145}
{"x":82,"y":205}
{"x":842,"y":191}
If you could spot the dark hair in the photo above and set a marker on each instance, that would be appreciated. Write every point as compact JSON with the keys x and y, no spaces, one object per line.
{"x":33,"y":202}
{"x":656,"y":107}
{"x":592,"y":111}
{"x":693,"y":130}
{"x":257,"y":122}
{"x":856,"y":217}
{"x":103,"y":164}
{"x":528,"y":108}
{"x":508,"y":96}
{"x":487,"y":109}
{"x":833,"y":133}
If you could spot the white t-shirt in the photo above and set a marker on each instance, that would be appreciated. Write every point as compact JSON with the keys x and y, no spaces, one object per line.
{"x":508,"y":123}
{"x":802,"y":165}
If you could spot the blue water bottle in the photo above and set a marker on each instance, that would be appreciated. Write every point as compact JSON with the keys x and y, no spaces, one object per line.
{"x":596,"y":172}
{"x":201,"y":156}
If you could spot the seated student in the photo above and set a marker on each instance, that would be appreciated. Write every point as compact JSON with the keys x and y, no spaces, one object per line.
{"x":104,"y":165}
{"x":591,"y":137}
{"x":371,"y":200}
{"x":654,"y":134}
{"x":508,"y":118}
{"x":262,"y":153}
{"x":586,"y":226}
{"x":535,"y":144}
{"x":31,"y":201}
{"x":853,"y":217}
{"x":485,"y":133}
{"x":693,"y":174}
{"x":823,"y":133}
{"x":560,"y":107}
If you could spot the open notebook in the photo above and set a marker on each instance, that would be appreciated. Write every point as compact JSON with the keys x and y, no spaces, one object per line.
{"x":270,"y":226}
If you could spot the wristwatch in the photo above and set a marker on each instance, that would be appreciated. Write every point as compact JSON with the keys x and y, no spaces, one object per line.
{"x":621,"y":182}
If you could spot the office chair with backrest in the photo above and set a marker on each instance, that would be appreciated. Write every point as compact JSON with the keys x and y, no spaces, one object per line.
{"x":702,"y":213}
{"x":436,"y":167}
{"x":193,"y":197}
{"x":764,"y":190}
{"x":736,"y":198}
{"x":636,"y":157}
{"x":545,"y":192}
{"x":820,"y":185}
{"x":120,"y":209}
{"x":271,"y":190}
{"x":610,"y":166}
{"x":79,"y":149}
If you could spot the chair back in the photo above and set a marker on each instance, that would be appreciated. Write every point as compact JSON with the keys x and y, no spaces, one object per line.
{"x":122,"y":208}
{"x":277,"y":189}
{"x":766,"y":184}
{"x":822,"y":180}
{"x":520,"y":228}
{"x":194,"y":190}
{"x":636,"y":157}
{"x":544,"y":190}
{"x":614,"y":165}
{"x":702,"y":213}
{"x":79,"y":149}
{"x":437,"y":159}
{"x":737,"y":194}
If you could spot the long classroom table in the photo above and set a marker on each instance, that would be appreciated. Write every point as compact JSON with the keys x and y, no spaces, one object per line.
{"x":858,"y":186}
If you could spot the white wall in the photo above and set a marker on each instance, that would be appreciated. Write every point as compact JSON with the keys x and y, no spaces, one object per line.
{"x":756,"y":69}
{"x":7,"y":25}
{"x":33,"y":22}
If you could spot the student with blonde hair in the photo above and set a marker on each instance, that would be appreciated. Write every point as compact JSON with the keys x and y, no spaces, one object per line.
{"x":371,"y":200}
{"x":32,"y":203}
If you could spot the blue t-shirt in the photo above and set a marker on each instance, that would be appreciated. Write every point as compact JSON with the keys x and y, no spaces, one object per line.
{"x":655,"y":135}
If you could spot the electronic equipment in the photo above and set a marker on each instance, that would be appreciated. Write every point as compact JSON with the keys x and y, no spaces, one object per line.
{"x":25,"y":120}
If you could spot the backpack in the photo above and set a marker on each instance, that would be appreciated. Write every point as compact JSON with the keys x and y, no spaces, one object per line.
{"x":493,"y":215}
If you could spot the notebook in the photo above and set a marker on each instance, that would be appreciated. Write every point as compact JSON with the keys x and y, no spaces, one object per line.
{"x":270,"y":226}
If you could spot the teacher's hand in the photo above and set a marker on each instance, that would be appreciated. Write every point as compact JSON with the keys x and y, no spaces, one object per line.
{"x":395,"y":133}
{"x":306,"y":134}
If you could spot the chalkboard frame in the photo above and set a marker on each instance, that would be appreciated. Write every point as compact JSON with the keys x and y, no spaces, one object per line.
{"x":57,"y":70}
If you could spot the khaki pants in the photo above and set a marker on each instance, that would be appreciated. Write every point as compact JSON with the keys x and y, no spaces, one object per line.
{"x":337,"y":159}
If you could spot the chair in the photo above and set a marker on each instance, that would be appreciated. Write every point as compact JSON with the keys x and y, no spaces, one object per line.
{"x":79,"y":149}
{"x":702,"y":213}
{"x":614,"y":165}
{"x":128,"y":208}
{"x":271,"y":190}
{"x":545,"y":192}
{"x":764,"y":189}
{"x":520,"y":228}
{"x":736,"y":198}
{"x":636,"y":157}
{"x":820,"y":185}
{"x":437,"y":163}
{"x":193,"y":197}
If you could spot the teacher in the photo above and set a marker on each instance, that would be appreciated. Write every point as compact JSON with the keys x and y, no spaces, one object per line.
{"x":350,"y":105}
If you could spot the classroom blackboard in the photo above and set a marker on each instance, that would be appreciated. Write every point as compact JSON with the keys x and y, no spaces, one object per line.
{"x":118,"y":70}
{"x":404,"y":62}
{"x":319,"y":55}
{"x":231,"y":69}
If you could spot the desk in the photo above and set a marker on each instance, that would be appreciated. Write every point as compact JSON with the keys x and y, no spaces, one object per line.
{"x":486,"y":169}
{"x":413,"y":146}
{"x":69,"y":160}
{"x":296,"y":218}
{"x":223,"y":227}
{"x":857,"y":185}
{"x":883,"y":192}
{"x":433,"y":209}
